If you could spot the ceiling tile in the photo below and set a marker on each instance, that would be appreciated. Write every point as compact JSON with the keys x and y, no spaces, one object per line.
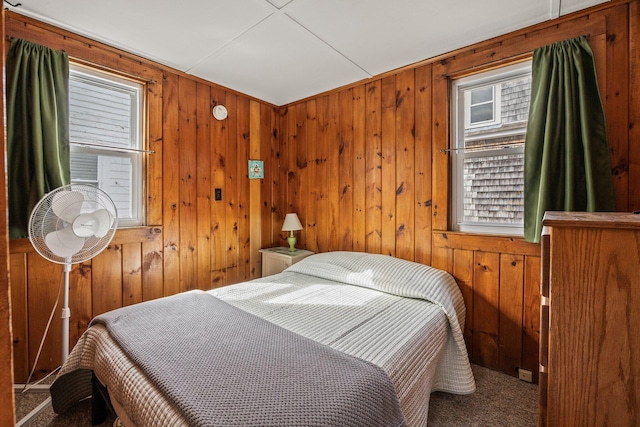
{"x":178,"y":34}
{"x":380,"y":35}
{"x":279,"y":62}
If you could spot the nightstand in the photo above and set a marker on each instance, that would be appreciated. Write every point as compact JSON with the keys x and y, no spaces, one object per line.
{"x":275,"y":260}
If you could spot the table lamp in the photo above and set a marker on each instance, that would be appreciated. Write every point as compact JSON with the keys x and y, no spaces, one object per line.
{"x":291,"y":223}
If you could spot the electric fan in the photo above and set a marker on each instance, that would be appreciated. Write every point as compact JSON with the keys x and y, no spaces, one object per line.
{"x":69,"y":225}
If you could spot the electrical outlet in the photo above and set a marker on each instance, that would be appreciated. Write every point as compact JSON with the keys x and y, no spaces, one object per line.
{"x":217,"y":194}
{"x":525,"y":375}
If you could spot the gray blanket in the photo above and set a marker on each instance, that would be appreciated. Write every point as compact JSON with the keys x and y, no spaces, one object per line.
{"x":223,"y":366}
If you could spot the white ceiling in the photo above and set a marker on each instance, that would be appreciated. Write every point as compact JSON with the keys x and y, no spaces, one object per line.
{"x":282,"y":51}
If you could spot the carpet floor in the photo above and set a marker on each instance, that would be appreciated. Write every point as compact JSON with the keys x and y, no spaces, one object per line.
{"x":499,"y":401}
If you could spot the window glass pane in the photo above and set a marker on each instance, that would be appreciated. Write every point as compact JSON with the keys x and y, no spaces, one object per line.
{"x":115,"y":178}
{"x":84,"y":168}
{"x":481,"y":113}
{"x":484,"y":94}
{"x":100,"y":113}
{"x":494,"y":189}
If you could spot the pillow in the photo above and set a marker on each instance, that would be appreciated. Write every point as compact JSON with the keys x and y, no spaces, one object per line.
{"x":386,"y":274}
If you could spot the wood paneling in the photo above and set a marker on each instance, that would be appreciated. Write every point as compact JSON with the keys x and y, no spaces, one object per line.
{"x":7,"y":416}
{"x":404,"y":122}
{"x":362,"y":166}
{"x":192,"y":241}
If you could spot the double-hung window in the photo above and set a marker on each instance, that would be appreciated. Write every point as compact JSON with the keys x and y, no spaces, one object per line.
{"x":106,"y":138}
{"x":489,"y":122}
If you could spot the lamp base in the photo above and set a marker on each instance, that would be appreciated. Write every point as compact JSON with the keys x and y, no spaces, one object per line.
{"x":292,"y":242}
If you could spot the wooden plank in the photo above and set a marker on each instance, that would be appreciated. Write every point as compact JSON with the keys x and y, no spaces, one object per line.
{"x":154,"y":177}
{"x":188,"y":241}
{"x":333,"y":191}
{"x":359,"y":169}
{"x":152,"y":286}
{"x":203,"y":186}
{"x":292,"y":170}
{"x":219,"y":135}
{"x":106,"y":276}
{"x":232,"y":172}
{"x":486,"y":304}
{"x":440,"y":142}
{"x":255,"y":191}
{"x":511,"y":312}
{"x":479,"y":242}
{"x":131,"y":274}
{"x":7,"y":417}
{"x":443,"y":259}
{"x":388,"y":126}
{"x":320,"y":186}
{"x":282,"y":182}
{"x":171,"y":185}
{"x":244,"y":232}
{"x":301,"y":170}
{"x":423,"y":165}
{"x":616,"y":105}
{"x":45,"y":283}
{"x":312,"y":214}
{"x":80,"y":300}
{"x":268,"y":148}
{"x":634,"y":106}
{"x":122,"y":235}
{"x":531,"y":316}
{"x":463,"y":273}
{"x":19,"y":316}
{"x":405,"y":165}
{"x":373,"y":172}
{"x":345,"y":222}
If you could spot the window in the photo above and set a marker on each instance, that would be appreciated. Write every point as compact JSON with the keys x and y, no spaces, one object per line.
{"x":106,"y":138}
{"x":489,"y":123}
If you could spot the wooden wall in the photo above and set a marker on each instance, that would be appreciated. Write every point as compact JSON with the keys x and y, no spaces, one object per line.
{"x":7,"y":416}
{"x":191,"y":241}
{"x":363,"y":167}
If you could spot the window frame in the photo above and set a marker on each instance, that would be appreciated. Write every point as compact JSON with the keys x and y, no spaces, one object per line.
{"x":458,"y":153}
{"x":135,"y":153}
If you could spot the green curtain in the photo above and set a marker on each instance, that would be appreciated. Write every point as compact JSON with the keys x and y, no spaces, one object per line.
{"x":37,"y":128}
{"x":567,"y":164}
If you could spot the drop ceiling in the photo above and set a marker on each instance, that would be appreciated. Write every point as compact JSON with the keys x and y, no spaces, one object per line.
{"x":282,"y":51}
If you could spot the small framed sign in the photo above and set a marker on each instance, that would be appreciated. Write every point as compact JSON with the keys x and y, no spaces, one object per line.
{"x":256,"y":169}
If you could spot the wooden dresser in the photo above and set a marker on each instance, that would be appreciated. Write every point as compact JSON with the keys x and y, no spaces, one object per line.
{"x":590,"y":320}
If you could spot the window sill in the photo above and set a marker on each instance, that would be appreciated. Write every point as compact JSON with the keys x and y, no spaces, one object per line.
{"x":122,"y":236}
{"x":485,"y":242}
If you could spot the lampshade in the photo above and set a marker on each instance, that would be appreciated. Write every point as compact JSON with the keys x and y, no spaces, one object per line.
{"x":291,"y":223}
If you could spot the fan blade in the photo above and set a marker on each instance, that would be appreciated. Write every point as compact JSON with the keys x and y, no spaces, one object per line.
{"x":67,"y":205}
{"x":105,"y":221}
{"x":96,"y":223}
{"x":64,"y":243}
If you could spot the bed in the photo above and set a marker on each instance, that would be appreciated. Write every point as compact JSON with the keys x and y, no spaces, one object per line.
{"x":388,"y":332}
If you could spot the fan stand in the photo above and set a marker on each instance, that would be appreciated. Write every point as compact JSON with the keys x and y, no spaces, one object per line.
{"x":66,"y":313}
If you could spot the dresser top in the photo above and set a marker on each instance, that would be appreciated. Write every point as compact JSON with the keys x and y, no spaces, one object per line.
{"x":626,"y":220}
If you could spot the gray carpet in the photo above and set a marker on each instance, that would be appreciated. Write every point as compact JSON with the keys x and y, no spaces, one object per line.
{"x":500,"y":401}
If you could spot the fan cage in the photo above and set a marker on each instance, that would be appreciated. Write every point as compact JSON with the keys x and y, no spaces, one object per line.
{"x":43,"y":221}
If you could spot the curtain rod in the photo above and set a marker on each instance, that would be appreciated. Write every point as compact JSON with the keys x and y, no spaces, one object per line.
{"x":126,"y":150}
{"x":448,"y":150}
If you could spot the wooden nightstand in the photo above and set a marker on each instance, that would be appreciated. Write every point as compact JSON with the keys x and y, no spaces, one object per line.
{"x":274,"y":260}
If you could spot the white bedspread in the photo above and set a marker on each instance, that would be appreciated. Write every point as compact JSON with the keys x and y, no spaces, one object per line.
{"x":405,"y":317}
